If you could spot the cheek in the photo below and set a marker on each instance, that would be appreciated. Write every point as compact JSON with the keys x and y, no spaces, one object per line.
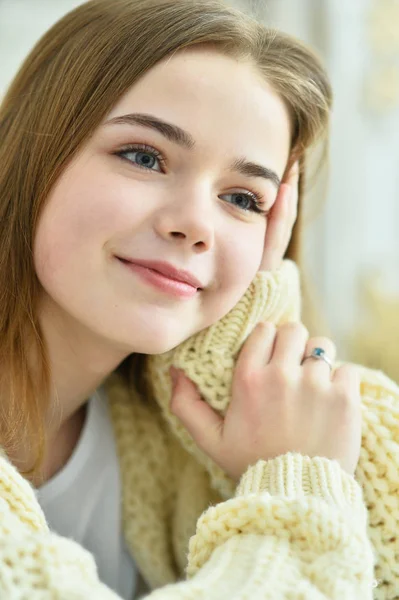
{"x":243,"y":258}
{"x":239,"y":260}
{"x":66,"y":232}
{"x":82,"y":214}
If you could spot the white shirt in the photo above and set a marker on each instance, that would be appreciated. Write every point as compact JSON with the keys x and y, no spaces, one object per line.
{"x":83,"y":500}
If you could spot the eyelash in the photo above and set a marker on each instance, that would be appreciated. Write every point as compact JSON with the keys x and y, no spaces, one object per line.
{"x":254,"y":196}
{"x":256,"y":200}
{"x":145,"y":150}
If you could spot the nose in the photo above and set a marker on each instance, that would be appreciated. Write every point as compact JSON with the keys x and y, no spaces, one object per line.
{"x":188,"y":221}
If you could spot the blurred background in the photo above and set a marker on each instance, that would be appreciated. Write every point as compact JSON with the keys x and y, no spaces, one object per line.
{"x":352,"y":233}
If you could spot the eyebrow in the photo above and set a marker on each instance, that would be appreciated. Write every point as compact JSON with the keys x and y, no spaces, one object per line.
{"x":181,"y":137}
{"x":171,"y":132}
{"x":251,"y":169}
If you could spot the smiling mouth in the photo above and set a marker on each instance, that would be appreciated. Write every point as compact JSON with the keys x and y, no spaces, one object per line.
{"x":165,"y":277}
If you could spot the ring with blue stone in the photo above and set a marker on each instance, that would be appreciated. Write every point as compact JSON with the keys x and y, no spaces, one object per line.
{"x":319,"y":354}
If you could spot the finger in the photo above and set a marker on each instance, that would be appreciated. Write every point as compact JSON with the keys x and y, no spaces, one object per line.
{"x":201,"y":421}
{"x":290,"y":344}
{"x":314,"y":365}
{"x":348,"y":376}
{"x":292,"y":177}
{"x":293,"y":181}
{"x":257,"y":349}
{"x":276,"y":231}
{"x":281,"y":220}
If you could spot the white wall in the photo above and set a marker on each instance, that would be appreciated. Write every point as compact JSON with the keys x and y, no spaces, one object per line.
{"x":22,"y":22}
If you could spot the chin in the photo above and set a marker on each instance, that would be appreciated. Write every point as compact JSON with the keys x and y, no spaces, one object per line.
{"x":155,"y":340}
{"x":159,"y":346}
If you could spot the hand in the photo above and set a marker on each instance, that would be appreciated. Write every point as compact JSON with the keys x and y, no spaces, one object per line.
{"x":280,"y":221}
{"x":278,"y":404}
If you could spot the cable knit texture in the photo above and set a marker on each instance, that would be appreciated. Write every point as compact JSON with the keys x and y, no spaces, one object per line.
{"x":294,"y":529}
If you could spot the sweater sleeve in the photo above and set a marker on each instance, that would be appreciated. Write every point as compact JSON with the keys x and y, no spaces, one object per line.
{"x":296,"y":529}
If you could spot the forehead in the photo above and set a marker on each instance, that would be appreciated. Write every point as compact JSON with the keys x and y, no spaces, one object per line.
{"x":205,"y":92}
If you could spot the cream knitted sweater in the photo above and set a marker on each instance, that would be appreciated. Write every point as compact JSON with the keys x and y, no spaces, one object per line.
{"x":294,"y":529}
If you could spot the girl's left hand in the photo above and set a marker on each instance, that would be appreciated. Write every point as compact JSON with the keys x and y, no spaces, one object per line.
{"x":280,"y":221}
{"x":282,"y":400}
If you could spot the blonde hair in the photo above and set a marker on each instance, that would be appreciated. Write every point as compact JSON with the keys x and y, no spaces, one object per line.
{"x":64,"y":89}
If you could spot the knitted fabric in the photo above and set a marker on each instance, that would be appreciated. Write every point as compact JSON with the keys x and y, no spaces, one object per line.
{"x":295,"y":528}
{"x":208,"y":359}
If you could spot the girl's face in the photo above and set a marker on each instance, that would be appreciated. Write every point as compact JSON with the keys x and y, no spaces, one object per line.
{"x":157,"y":227}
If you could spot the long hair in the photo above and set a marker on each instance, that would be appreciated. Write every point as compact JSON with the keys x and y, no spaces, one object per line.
{"x":67,"y":85}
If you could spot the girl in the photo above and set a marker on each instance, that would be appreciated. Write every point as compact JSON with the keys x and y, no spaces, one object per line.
{"x":147,"y":192}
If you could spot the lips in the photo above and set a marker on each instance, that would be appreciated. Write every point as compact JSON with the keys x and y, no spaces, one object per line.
{"x":167,"y":270}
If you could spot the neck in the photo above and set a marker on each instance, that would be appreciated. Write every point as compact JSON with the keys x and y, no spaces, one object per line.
{"x":80,"y":361}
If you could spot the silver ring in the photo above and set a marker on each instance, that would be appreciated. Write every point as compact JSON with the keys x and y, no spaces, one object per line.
{"x":319,"y":354}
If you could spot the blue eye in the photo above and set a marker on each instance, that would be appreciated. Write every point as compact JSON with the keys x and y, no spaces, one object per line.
{"x":246,"y":201}
{"x":143,"y":157}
